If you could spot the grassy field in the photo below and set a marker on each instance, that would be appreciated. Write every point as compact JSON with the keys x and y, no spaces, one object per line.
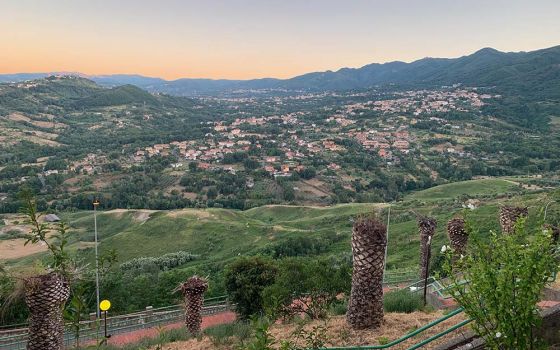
{"x":218,"y":235}
{"x":471,"y":188}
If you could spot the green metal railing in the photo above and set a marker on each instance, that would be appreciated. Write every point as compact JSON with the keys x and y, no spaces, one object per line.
{"x":413,"y":334}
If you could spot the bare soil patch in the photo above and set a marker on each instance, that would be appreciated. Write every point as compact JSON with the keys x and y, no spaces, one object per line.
{"x":14,"y":248}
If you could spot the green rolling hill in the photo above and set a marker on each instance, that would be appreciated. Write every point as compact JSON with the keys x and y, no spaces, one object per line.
{"x":218,"y":235}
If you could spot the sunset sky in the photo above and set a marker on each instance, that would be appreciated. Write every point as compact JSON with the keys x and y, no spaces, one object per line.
{"x":241,"y":39}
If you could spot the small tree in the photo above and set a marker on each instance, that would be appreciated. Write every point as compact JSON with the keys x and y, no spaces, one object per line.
{"x":193,"y":291}
{"x":307,"y":286}
{"x":76,"y":310}
{"x":245,"y":279}
{"x":505,"y":278}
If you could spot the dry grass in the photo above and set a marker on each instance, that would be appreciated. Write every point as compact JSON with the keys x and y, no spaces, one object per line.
{"x":197,"y":213}
{"x":14,"y":249}
{"x":339,"y":334}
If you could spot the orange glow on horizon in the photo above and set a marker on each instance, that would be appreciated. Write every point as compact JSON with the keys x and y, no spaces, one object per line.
{"x":245,"y":39}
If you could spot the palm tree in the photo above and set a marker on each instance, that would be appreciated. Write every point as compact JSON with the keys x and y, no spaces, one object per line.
{"x":427,"y":227}
{"x":509,"y":216}
{"x":458,"y":235}
{"x":45,"y":296}
{"x":193,"y":291}
{"x":369,"y":239}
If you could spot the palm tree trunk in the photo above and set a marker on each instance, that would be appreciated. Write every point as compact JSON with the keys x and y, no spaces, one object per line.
{"x":193,"y":291}
{"x":509,"y":216}
{"x":427,"y":227}
{"x":45,"y":297}
{"x":369,"y":239}
{"x":458,"y":236}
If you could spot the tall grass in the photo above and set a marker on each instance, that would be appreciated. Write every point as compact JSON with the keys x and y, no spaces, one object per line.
{"x":222,"y":334}
{"x":402,"y":301}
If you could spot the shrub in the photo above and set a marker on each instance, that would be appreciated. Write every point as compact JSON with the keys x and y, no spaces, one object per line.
{"x":339,"y":308}
{"x":245,"y":279}
{"x":505,"y":277}
{"x":402,"y":300}
{"x":262,"y":338}
{"x":308,"y":285}
{"x":164,"y":262}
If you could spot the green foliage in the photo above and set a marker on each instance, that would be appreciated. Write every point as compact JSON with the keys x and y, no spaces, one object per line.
{"x":262,"y":339}
{"x":402,"y":300}
{"x":164,"y":262}
{"x":60,"y":261}
{"x":383,"y":340}
{"x":506,"y":276}
{"x":226,"y":333}
{"x":339,"y":307}
{"x":245,"y":280}
{"x":301,"y":246}
{"x":308,"y":285}
{"x":13,"y":234}
{"x":76,"y":311}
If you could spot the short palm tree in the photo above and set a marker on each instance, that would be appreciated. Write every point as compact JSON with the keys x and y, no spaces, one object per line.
{"x":458,"y":235}
{"x":45,"y":296}
{"x":193,"y":291}
{"x":509,"y":216}
{"x":427,"y":227}
{"x":369,"y":239}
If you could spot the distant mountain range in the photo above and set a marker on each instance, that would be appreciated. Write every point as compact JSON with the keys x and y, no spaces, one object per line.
{"x":535,"y":73}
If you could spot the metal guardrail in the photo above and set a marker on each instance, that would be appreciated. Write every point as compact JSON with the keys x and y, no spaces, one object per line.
{"x":400,"y":276}
{"x":91,"y":330}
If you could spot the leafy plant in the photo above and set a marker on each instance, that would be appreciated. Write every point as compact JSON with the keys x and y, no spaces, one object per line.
{"x":305,"y":338}
{"x":262,"y":338}
{"x":75,"y":311}
{"x":60,"y":260}
{"x":505,"y":278}
{"x":383,"y":340}
{"x":245,"y":280}
{"x":308,"y":286}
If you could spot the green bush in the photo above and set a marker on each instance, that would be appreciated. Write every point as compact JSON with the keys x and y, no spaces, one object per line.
{"x":339,"y":308}
{"x":402,"y":301}
{"x":245,"y":279}
{"x":506,"y":275}
{"x":313,"y":282}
